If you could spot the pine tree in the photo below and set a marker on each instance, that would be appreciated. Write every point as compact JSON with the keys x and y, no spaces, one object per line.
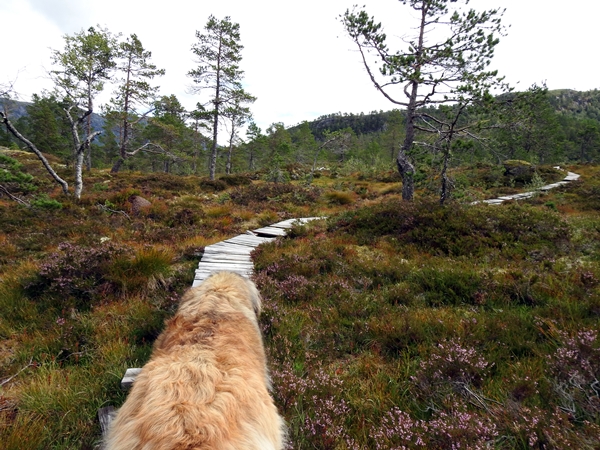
{"x":134,"y":93}
{"x":218,"y":55}
{"x":453,"y":70}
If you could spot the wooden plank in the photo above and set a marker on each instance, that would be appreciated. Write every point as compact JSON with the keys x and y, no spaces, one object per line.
{"x":215,"y":267}
{"x":200,"y":276}
{"x":572,"y":176}
{"x":129,"y":378}
{"x":233,"y":249}
{"x":106,"y":416}
{"x":291,"y":222}
{"x":270,"y":231}
{"x":201,"y":271}
{"x":226,"y":257}
{"x":284,"y":224}
{"x":251,"y":241}
{"x":224,"y":265}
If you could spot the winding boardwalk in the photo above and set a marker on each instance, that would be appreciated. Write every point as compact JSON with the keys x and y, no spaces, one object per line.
{"x":233,"y":255}
{"x":566,"y":180}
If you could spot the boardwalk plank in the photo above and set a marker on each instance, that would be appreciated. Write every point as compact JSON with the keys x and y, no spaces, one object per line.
{"x":291,"y":222}
{"x":225,"y":257}
{"x":105,"y":416}
{"x":251,"y":241}
{"x":214,"y":267}
{"x":234,"y":249}
{"x":270,"y":231}
{"x":129,"y":378}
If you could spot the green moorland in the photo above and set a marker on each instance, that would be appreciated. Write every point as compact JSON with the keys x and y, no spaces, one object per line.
{"x":388,"y":325}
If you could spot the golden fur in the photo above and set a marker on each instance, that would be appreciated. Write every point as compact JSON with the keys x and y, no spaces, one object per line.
{"x":206,"y":385}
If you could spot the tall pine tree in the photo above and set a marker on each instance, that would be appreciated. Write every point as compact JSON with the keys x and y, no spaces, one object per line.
{"x":218,"y":54}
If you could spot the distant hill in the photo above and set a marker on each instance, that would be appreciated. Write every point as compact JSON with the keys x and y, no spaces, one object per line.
{"x":17,"y":109}
{"x":565,"y":101}
{"x":373,"y":122}
{"x":580,"y":104}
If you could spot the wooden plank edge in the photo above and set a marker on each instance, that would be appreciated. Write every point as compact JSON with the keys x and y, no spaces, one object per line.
{"x":129,"y":378}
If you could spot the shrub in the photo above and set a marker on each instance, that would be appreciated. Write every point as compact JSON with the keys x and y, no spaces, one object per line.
{"x":235,"y":180}
{"x":144,"y":272}
{"x":11,"y":173}
{"x":213,"y":185}
{"x":45,"y":202}
{"x":456,"y":230}
{"x":275,"y":193}
{"x":447,"y":286}
{"x":75,"y":272}
{"x":340,"y":198}
{"x":576,"y":368}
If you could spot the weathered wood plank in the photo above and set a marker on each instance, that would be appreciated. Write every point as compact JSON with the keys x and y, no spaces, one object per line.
{"x":226,"y":257}
{"x":129,"y":378}
{"x":216,"y":266}
{"x":251,"y":241}
{"x":291,"y":222}
{"x":205,"y":272}
{"x":200,"y":276}
{"x":270,"y":231}
{"x":234,"y":249}
{"x":572,"y":176}
{"x":106,"y":416}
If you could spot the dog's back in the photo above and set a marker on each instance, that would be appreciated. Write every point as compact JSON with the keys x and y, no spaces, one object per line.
{"x":206,"y":385}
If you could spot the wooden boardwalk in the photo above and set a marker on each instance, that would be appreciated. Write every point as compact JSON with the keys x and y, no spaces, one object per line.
{"x":232,"y":255}
{"x":496,"y":201}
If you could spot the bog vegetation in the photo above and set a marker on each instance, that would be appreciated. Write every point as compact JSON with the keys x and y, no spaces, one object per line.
{"x":440,"y":323}
{"x":388,"y":325}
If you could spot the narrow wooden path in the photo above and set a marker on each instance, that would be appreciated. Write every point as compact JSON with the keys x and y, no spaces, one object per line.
{"x":232,"y":255}
{"x":496,"y":201}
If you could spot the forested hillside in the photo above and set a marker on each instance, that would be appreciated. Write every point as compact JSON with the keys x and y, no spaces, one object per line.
{"x":583,"y":105}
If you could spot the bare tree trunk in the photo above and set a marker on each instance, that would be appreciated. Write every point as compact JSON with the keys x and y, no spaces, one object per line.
{"x":213,"y":154}
{"x":446,"y":184}
{"x":405,"y":167}
{"x":117,"y":165}
{"x":33,"y":148}
{"x":228,"y":166}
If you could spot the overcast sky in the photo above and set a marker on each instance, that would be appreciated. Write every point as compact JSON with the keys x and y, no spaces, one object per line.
{"x":297,"y":59}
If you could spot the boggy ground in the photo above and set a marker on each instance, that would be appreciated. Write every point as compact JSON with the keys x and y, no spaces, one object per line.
{"x":388,"y":325}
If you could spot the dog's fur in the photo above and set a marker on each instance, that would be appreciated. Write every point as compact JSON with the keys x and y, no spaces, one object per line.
{"x":206,"y":385}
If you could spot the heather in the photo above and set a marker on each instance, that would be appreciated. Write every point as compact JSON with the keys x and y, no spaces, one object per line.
{"x":388,"y":325}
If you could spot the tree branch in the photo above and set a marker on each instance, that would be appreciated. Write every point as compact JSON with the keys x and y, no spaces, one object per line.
{"x":34,"y":149}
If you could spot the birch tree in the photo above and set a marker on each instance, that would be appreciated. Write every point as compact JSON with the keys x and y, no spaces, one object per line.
{"x":82,"y":68}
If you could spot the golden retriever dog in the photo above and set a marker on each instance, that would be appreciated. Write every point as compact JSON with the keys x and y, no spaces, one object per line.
{"x":206,"y":385}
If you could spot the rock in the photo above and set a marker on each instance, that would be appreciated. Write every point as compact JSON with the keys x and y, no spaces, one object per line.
{"x":520,"y":171}
{"x":138,"y":204}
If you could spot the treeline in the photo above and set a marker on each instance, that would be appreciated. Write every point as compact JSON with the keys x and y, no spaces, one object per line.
{"x":559,"y":126}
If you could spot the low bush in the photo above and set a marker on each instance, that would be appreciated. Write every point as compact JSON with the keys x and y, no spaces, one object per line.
{"x":275,"y":193}
{"x":340,"y":198}
{"x":457,"y":230}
